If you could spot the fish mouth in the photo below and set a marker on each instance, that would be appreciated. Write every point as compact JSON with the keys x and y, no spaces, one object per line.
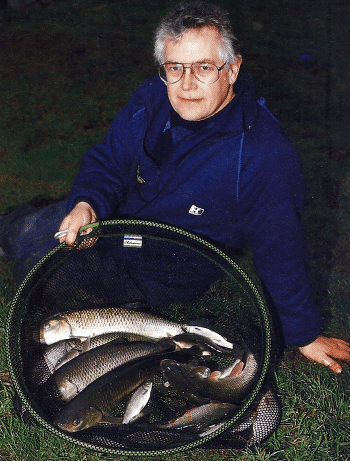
{"x":35,"y":335}
{"x":41,"y":336}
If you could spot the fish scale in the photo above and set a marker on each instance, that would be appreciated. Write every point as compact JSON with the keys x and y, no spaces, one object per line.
{"x":78,"y":373}
{"x":200,"y":384}
{"x":100,"y":397}
{"x":106,"y":320}
{"x":92,"y":322}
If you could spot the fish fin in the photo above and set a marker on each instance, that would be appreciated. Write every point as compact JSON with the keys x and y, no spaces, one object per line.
{"x":85,"y":345}
{"x":142,"y":413}
{"x":68,"y":391}
{"x":82,"y":338}
{"x":190,"y":341}
{"x":191,"y":344}
{"x":67,"y":358}
{"x":121,"y":340}
{"x":201,"y":371}
{"x":198,"y":351}
{"x":215,"y":375}
{"x":169,"y":343}
{"x":210,"y":335}
{"x":237,"y":369}
{"x":233,"y":370}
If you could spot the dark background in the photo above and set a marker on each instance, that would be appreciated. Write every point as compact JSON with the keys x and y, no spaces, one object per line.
{"x":66,"y":69}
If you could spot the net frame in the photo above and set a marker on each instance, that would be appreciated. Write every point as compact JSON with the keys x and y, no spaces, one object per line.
{"x":197,"y":243}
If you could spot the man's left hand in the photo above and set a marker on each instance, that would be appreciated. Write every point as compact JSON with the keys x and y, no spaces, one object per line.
{"x":324,"y":350}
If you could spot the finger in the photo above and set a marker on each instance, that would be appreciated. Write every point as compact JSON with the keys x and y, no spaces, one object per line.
{"x":82,"y":214}
{"x":89,"y":229}
{"x":331,"y":364}
{"x":343,"y":344}
{"x":61,"y":234}
{"x":341,"y":354}
{"x":339,"y":342}
{"x":64,"y":227}
{"x":71,"y":237}
{"x":341,"y":350}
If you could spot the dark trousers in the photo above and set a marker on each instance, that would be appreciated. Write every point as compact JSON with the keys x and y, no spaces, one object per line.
{"x":27,"y":234}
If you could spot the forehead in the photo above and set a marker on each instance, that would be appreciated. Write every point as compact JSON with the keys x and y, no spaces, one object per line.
{"x":194,"y":45}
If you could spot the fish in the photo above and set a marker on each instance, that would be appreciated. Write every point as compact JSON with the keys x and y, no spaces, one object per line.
{"x":87,"y":323}
{"x":187,"y":340}
{"x":137,"y":402}
{"x":75,"y":375}
{"x":100,"y":397}
{"x":71,"y":348}
{"x":200,"y":384}
{"x":200,"y":418}
{"x":61,"y":351}
{"x":258,"y":424}
{"x":269,"y":409}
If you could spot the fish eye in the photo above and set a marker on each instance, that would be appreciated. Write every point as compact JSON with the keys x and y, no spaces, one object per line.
{"x":52,"y":325}
{"x":76,"y":422}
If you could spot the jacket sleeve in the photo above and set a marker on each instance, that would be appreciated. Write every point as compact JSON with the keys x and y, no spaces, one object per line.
{"x":271,"y":202}
{"x":105,"y":168}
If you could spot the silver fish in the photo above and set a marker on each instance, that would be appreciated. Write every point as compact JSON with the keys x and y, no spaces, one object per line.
{"x":75,"y":375}
{"x":200,"y":384}
{"x":90,"y":343}
{"x":98,"y":399}
{"x":59,"y":351}
{"x":200,"y":418}
{"x":137,"y":402}
{"x":88,"y":323}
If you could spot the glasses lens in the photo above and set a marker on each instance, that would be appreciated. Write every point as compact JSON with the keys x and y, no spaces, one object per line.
{"x":171,"y":73}
{"x":204,"y":72}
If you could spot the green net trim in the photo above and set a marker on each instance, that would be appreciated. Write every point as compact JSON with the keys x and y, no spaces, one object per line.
{"x":181,"y":237}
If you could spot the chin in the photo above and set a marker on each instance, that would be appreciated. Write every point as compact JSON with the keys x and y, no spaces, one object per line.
{"x":191,"y":116}
{"x":192,"y":111}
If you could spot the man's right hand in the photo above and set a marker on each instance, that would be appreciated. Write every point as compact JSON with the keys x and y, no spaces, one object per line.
{"x":81,"y":215}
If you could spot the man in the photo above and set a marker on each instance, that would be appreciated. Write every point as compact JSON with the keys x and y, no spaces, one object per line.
{"x":194,"y":149}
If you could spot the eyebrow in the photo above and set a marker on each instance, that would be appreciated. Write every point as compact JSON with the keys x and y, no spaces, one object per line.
{"x":202,"y":61}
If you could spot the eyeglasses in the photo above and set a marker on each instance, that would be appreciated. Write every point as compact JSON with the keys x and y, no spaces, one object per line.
{"x":172,"y":72}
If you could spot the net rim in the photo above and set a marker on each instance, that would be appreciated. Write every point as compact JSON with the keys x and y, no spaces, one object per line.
{"x":10,"y":342}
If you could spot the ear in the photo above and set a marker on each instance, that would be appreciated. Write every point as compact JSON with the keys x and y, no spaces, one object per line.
{"x":234,"y":69}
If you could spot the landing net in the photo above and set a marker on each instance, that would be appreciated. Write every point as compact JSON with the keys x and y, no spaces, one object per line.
{"x":165,"y":271}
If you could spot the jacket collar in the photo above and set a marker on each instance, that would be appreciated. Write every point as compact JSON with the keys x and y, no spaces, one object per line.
{"x":238,"y":116}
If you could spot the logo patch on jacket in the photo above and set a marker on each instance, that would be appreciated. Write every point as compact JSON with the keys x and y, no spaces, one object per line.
{"x":196,"y":210}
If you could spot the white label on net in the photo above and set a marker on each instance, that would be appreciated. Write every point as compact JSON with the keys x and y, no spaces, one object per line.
{"x":132,"y":241}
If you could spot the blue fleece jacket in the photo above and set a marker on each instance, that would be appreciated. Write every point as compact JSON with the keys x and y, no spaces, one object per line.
{"x":237,"y":180}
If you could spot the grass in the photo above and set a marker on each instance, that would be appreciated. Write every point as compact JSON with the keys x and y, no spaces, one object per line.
{"x":67,"y":68}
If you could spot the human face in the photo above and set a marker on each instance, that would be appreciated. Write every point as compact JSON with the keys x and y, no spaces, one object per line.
{"x":190,"y":98}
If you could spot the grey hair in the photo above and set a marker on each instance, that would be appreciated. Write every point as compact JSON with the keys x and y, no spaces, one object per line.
{"x":195,"y":16}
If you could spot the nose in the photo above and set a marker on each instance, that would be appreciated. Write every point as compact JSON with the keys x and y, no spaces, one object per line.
{"x":188,"y":81}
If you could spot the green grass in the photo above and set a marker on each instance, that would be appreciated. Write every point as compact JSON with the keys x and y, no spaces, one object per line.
{"x":67,"y":68}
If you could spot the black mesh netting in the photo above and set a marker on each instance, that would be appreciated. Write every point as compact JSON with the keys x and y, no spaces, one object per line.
{"x":172,"y":274}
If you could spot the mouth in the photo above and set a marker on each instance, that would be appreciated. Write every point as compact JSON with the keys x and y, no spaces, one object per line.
{"x":190,"y":101}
